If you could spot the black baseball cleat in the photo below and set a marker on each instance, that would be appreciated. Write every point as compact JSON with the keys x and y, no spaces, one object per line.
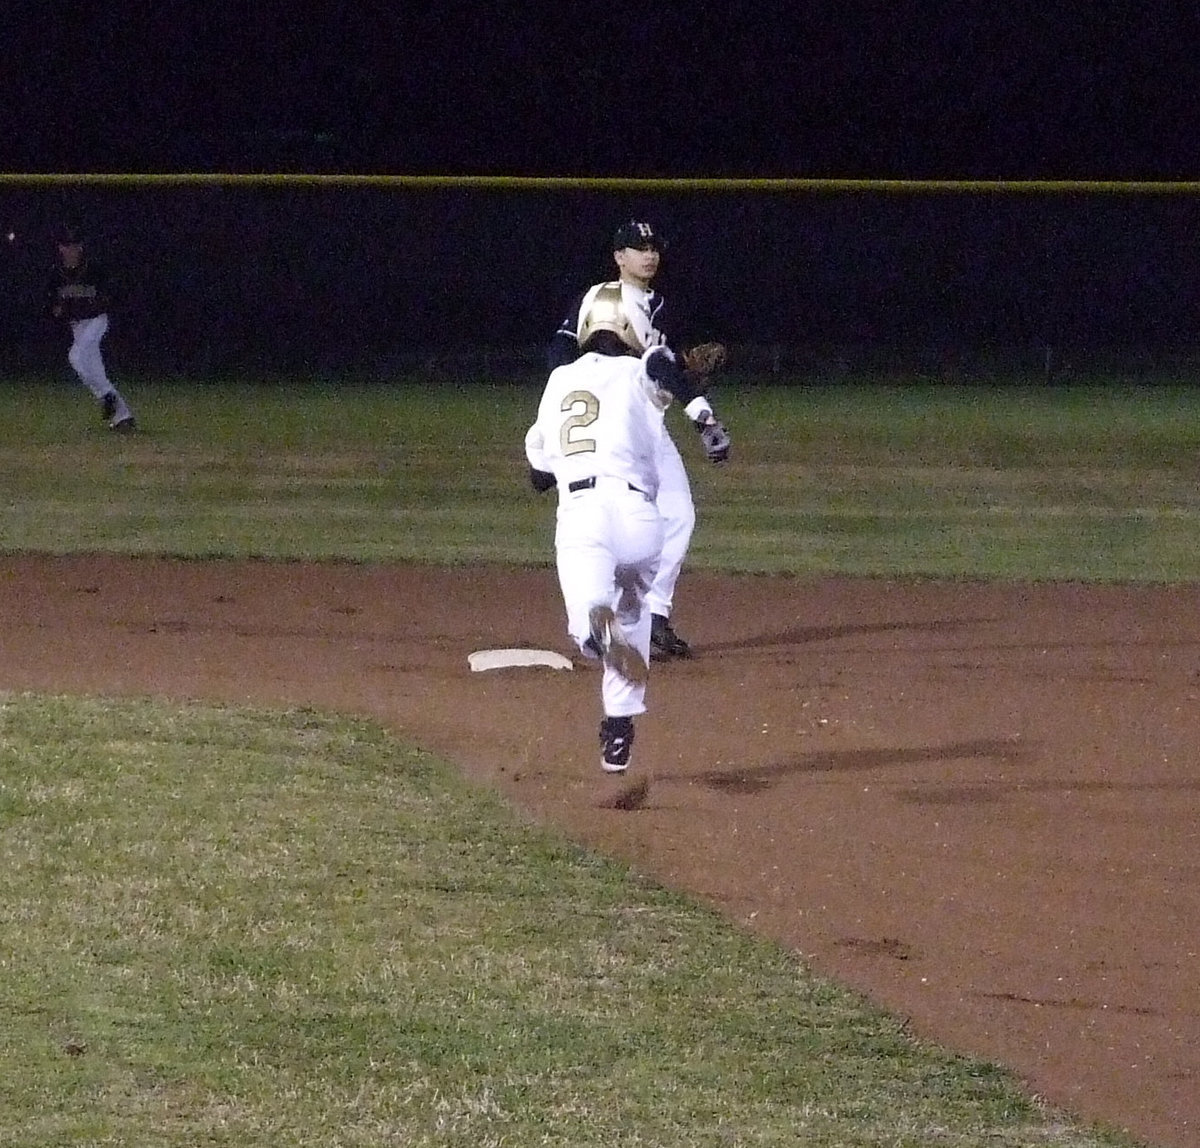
{"x":616,"y":740}
{"x":615,"y":649}
{"x":124,"y":426}
{"x":108,"y":406}
{"x":664,"y":642}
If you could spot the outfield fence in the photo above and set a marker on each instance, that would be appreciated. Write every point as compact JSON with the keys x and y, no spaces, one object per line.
{"x":324,"y":273}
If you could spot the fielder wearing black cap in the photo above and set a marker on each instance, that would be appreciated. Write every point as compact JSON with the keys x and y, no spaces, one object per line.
{"x":637,"y":252}
{"x":640,"y":236}
{"x":79,"y":296}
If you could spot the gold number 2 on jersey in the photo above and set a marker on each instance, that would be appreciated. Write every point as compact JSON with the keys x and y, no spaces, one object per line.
{"x":583,"y":409}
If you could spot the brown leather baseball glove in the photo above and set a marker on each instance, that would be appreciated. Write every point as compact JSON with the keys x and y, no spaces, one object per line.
{"x":704,"y":358}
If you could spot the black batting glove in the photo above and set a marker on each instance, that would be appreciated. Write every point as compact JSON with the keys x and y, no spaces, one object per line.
{"x":541,"y":480}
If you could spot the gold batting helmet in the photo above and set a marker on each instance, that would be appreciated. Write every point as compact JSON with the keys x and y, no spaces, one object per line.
{"x":603,"y":309}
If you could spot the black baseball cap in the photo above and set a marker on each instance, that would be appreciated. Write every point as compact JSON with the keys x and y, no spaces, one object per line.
{"x":68,"y":233}
{"x":637,"y":234}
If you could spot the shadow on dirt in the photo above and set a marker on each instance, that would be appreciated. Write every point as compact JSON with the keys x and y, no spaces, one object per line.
{"x":755,"y":779}
{"x":805,"y":635}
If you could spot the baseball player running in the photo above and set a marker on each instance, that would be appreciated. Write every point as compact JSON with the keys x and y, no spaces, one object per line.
{"x":598,"y":439}
{"x":79,"y":295}
{"x":637,"y":252}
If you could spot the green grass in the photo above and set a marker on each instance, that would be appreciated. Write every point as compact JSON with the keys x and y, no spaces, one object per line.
{"x":1010,"y":482}
{"x":239,"y":927}
{"x":275,"y":471}
{"x":230,"y":927}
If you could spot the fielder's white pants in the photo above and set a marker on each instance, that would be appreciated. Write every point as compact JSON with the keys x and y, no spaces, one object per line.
{"x":607,"y":544}
{"x":88,"y":363}
{"x":679,"y":520}
{"x":84,"y":355}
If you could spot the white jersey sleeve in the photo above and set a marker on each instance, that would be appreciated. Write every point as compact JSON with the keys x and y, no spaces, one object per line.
{"x":533,"y":448}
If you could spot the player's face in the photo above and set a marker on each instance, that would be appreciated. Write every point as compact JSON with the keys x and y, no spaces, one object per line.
{"x":71,"y":254}
{"x":638,"y":264}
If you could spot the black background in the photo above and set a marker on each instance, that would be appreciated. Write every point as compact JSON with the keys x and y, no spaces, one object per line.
{"x":217,"y":276}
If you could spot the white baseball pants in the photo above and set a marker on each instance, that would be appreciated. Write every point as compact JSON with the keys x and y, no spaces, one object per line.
{"x":607,"y":543}
{"x":88,"y":363}
{"x":678,"y":512}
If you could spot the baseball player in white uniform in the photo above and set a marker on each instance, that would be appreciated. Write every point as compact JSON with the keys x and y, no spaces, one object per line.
{"x":637,"y":252}
{"x":598,"y":439}
{"x":79,"y":296}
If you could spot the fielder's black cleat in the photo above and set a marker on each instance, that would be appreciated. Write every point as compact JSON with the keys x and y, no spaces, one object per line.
{"x":664,"y":642}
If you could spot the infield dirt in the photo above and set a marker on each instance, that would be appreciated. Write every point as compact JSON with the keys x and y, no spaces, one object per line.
{"x":978,"y":804}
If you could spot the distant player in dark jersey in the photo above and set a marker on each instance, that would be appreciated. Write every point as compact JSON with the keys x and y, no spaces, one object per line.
{"x":80,"y":297}
{"x":637,"y":252}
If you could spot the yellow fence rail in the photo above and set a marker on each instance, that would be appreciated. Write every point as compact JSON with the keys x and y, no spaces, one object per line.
{"x":614,"y":183}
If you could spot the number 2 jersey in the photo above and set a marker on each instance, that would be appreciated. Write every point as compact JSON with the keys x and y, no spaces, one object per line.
{"x":600,"y":416}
